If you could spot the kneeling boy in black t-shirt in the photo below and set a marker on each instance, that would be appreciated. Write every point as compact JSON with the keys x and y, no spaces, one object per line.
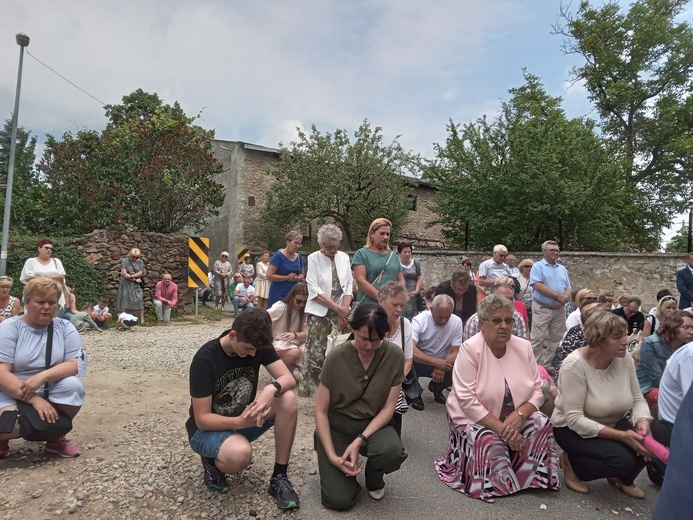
{"x":226,"y":415}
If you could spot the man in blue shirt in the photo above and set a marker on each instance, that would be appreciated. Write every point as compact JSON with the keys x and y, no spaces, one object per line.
{"x":551,"y":291}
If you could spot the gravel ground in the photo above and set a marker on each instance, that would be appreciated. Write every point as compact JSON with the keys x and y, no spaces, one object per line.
{"x":135,"y":460}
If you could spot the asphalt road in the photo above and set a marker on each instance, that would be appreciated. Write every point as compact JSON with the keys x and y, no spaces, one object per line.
{"x":415,"y":492}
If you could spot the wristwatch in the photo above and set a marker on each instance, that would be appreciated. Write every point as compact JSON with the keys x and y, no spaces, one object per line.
{"x":278,"y":387}
{"x":520,"y":413}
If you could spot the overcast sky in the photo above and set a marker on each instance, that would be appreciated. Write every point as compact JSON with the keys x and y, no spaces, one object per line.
{"x":257,"y":70}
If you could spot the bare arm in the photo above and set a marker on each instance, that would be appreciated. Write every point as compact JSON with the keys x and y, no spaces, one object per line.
{"x":366,"y":287}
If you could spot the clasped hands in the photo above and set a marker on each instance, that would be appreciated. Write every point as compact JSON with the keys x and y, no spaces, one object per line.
{"x":30,"y":385}
{"x":257,"y":412}
{"x":440,"y":367}
{"x":511,"y":432}
{"x":350,"y":462}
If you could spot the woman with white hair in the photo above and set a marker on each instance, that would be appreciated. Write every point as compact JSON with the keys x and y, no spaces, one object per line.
{"x":329,"y":283}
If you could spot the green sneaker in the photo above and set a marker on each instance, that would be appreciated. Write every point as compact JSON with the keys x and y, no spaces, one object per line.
{"x":281,"y":488}
{"x":215,"y":480}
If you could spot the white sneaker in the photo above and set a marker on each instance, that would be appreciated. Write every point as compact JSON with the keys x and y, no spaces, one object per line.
{"x":378,"y":494}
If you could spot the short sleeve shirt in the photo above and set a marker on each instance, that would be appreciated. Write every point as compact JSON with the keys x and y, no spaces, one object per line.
{"x":434,"y":340}
{"x":25,"y":347}
{"x":493,"y":271}
{"x":555,"y":277}
{"x":375,"y":264}
{"x":230,"y":380}
{"x":344,"y":376}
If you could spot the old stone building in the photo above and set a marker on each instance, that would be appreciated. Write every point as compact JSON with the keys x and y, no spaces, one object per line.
{"x":246,"y":179}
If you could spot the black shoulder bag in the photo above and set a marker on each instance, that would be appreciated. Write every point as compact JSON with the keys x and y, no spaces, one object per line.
{"x":411,"y":387}
{"x":31,"y":426}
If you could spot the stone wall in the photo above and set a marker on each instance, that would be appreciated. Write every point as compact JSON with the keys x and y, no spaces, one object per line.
{"x":417,"y":229}
{"x":641,"y":274}
{"x":105,"y":249}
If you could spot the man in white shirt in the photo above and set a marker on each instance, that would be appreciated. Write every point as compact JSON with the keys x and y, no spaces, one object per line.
{"x":436,"y":336}
{"x":243,"y":296}
{"x":495,"y":267}
{"x":675,"y":382}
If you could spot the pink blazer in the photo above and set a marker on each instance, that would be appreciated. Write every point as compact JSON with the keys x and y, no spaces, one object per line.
{"x":478,"y":379}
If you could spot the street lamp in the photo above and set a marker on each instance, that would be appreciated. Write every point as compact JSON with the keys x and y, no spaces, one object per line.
{"x":22,"y":41}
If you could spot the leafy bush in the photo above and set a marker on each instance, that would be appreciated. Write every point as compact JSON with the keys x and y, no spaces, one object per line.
{"x":89,"y":282}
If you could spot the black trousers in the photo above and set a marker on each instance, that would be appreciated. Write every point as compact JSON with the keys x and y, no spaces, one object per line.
{"x":596,"y":458}
{"x":427,"y":371}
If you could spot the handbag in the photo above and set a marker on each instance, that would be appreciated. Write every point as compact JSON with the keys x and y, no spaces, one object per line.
{"x":142,"y":283}
{"x":402,"y":405}
{"x":31,"y":426}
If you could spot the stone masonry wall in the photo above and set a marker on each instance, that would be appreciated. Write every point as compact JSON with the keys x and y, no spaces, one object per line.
{"x":105,"y":249}
{"x":641,"y":274}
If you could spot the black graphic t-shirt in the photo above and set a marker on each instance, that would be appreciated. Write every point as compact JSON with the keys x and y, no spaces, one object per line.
{"x":230,"y":380}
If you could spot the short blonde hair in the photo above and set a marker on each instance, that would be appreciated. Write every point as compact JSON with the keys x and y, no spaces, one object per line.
{"x":581,"y":295}
{"x":601,"y":325}
{"x":494,"y":302}
{"x":525,"y":263}
{"x":375,"y":225}
{"x":135,"y":252}
{"x":41,"y":286}
{"x":392,"y":289}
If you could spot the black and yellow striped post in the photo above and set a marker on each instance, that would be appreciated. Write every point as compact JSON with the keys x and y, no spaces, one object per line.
{"x":242,"y":251}
{"x":198,"y":264}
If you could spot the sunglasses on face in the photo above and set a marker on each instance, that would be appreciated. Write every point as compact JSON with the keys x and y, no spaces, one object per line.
{"x":48,"y":248}
{"x":300,"y":301}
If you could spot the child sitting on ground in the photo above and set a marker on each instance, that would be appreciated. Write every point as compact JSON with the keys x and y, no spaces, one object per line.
{"x":101,"y":315}
{"x":82,"y":320}
{"x":126,"y":322}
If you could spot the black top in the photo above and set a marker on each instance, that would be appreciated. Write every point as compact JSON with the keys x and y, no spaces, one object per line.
{"x":636,"y":321}
{"x":468,"y":307}
{"x":230,"y":380}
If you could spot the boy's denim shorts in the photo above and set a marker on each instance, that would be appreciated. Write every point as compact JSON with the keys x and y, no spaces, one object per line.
{"x":208,"y":443}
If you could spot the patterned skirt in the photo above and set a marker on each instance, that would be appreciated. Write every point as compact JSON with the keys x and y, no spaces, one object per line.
{"x":481,"y":465}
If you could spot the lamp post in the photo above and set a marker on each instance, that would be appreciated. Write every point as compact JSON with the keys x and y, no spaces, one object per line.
{"x":22,"y":41}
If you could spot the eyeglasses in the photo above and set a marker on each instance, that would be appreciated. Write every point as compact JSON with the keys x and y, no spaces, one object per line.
{"x":686,"y":327}
{"x":48,"y":248}
{"x":590,"y":299}
{"x":136,"y":257}
{"x":497,"y":322}
{"x":299,"y":300}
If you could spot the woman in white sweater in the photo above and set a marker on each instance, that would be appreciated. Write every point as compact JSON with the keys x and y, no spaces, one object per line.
{"x":329,"y":283}
{"x":597,"y":387}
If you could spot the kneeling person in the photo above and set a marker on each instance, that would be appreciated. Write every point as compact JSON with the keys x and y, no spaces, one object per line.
{"x":226,"y":415}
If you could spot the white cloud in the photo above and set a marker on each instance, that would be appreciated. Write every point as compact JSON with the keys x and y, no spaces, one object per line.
{"x":258,"y":70}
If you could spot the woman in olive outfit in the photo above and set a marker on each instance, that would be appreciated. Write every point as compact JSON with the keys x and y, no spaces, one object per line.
{"x":359,"y":386}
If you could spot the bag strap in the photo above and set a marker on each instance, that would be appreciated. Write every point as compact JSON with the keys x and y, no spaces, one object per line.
{"x":401,"y":331}
{"x":379,"y":277}
{"x":49,"y":355}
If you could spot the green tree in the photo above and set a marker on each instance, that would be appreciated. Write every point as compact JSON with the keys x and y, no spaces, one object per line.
{"x":151,"y":167}
{"x":329,"y":177}
{"x":638,"y":72}
{"x":679,"y":242}
{"x":530,"y":175}
{"x":28,"y":191}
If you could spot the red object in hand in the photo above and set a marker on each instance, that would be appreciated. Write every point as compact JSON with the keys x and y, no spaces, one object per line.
{"x":656,"y":448}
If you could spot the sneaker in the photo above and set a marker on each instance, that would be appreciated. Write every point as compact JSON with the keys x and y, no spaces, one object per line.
{"x":62,"y":447}
{"x":378,"y":494}
{"x":281,"y":488}
{"x":215,"y":480}
{"x":4,"y":449}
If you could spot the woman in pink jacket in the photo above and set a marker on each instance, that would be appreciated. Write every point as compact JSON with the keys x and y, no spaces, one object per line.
{"x":499,"y":441}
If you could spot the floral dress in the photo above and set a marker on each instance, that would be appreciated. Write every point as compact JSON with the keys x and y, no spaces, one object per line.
{"x":481,"y":465}
{"x":221,"y":284}
{"x":7,"y":311}
{"x":411,"y":275}
{"x":319,"y":328}
{"x":130,"y":295}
